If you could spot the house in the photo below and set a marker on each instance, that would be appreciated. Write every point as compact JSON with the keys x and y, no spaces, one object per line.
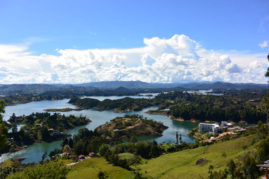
{"x":81,"y":157}
{"x":92,"y":154}
{"x":207,"y":127}
{"x":225,"y":124}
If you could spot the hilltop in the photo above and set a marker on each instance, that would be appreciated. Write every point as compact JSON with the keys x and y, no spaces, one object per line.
{"x":128,"y":126}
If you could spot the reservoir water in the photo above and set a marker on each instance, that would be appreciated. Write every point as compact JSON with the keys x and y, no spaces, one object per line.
{"x":34,"y":152}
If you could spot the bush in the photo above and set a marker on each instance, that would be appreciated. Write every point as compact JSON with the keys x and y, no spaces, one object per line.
{"x":50,"y":170}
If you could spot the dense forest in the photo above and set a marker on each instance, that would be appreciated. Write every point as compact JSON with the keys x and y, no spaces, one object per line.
{"x":243,"y":106}
{"x":248,"y":106}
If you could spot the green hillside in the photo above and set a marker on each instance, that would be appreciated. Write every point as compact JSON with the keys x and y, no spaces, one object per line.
{"x":90,"y":168}
{"x":183,"y":164}
{"x":173,"y":165}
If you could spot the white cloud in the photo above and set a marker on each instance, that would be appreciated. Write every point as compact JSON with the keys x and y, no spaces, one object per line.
{"x":264,"y":44}
{"x":178,"y":59}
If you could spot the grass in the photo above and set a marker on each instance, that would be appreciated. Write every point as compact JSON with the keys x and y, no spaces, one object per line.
{"x":90,"y":168}
{"x":183,"y":164}
{"x":127,"y":156}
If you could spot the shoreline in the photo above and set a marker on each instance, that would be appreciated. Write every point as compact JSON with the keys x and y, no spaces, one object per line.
{"x":183,"y":120}
{"x":19,"y":148}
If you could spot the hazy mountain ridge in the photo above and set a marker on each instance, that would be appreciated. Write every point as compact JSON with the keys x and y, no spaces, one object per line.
{"x":7,"y":89}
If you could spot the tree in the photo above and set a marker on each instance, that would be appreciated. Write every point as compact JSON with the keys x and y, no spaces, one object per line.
{"x":45,"y":154}
{"x":262,"y":150}
{"x":3,"y":127}
{"x":262,"y":130}
{"x":2,"y":109}
{"x":231,"y":168}
{"x":250,"y":170}
{"x":267,"y":98}
{"x":103,"y":149}
{"x":267,"y":73}
{"x":177,"y":137}
{"x":101,"y":175}
{"x":67,"y":148}
{"x":3,"y":136}
{"x":210,"y":171}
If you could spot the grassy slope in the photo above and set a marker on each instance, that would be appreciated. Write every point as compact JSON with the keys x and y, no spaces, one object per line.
{"x":90,"y":168}
{"x":127,"y":156}
{"x":183,"y":164}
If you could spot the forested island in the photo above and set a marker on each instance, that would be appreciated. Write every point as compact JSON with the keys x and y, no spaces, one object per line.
{"x":38,"y":127}
{"x":62,"y":109}
{"x":119,"y":105}
{"x":130,"y":126}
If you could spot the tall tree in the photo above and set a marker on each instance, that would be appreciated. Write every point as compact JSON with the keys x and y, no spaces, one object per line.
{"x":267,"y":98}
{"x":3,"y":127}
{"x":2,"y":109}
{"x":267,"y":73}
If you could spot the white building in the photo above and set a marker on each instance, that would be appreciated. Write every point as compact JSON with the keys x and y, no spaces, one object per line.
{"x":206,"y":127}
{"x":226,"y":124}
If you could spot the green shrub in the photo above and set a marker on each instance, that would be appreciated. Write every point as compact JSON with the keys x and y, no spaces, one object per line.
{"x":50,"y":170}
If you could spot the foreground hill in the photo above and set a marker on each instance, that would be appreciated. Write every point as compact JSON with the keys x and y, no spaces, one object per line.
{"x":183,"y":164}
{"x":173,"y":165}
{"x":92,"y":168}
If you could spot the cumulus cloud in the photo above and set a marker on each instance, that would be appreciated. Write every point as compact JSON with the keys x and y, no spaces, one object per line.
{"x":264,"y":44}
{"x":178,"y":59}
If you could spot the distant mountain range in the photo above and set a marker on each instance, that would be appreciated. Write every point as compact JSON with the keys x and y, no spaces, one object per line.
{"x":126,"y":86}
{"x":194,"y":86}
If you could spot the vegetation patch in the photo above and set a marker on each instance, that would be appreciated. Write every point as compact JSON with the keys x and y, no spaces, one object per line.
{"x":128,"y":126}
{"x":93,"y":168}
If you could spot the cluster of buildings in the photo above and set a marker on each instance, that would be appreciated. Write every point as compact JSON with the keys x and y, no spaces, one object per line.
{"x":215,"y":127}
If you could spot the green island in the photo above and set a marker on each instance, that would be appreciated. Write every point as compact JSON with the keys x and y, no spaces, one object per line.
{"x":61,"y":110}
{"x":119,"y":105}
{"x":26,"y":98}
{"x":163,"y":112}
{"x":38,"y":127}
{"x":129,"y":126}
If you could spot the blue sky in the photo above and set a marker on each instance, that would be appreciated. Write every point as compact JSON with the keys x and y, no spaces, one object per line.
{"x":236,"y":28}
{"x":61,"y":24}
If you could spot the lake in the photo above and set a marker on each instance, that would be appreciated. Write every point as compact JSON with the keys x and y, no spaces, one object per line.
{"x":34,"y":152}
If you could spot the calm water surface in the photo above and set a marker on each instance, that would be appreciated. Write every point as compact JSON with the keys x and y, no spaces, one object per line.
{"x":34,"y":152}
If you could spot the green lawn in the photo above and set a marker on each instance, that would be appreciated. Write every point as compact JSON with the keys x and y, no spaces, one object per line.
{"x":183,"y":164}
{"x":90,"y":168}
{"x":127,"y":156}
